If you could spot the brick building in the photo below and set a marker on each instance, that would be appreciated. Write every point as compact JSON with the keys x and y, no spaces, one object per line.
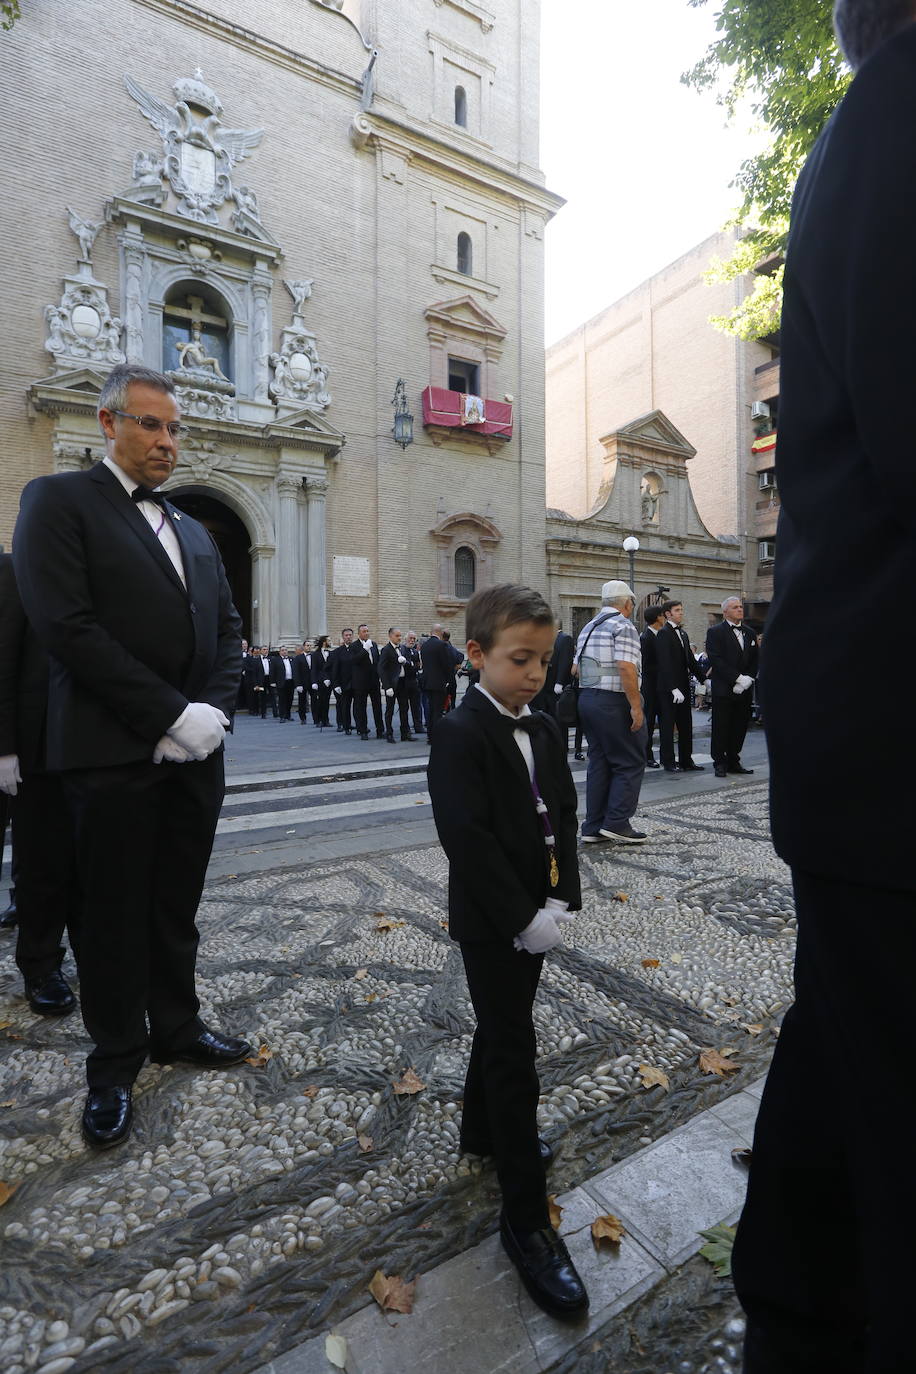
{"x":655,"y":350}
{"x":290,"y":207}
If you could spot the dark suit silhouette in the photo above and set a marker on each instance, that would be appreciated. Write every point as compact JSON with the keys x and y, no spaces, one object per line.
{"x":676,"y":665}
{"x":364,"y":667}
{"x":319,"y":672}
{"x":282,"y":686}
{"x":437,"y":662}
{"x":412,"y":677}
{"x":559,"y":673}
{"x":393,"y":674}
{"x":730,"y":714}
{"x":130,"y":647}
{"x":498,"y":880}
{"x":650,"y":688}
{"x":47,"y":885}
{"x":823,"y":1256}
{"x":341,"y":666}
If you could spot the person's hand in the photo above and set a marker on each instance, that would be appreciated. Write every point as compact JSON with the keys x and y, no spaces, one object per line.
{"x":677,"y":696}
{"x":742,"y":683}
{"x":199,"y":729}
{"x":401,"y":658}
{"x":259,"y":689}
{"x":327,"y":683}
{"x":389,"y":691}
{"x":542,"y":934}
{"x":637,"y":719}
{"x":337,"y":691}
{"x":10,"y":776}
{"x":559,"y":910}
{"x":557,"y":687}
{"x":168,"y":750}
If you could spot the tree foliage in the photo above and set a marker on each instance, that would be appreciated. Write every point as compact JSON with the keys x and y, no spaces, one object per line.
{"x":781,"y":57}
{"x":9,"y":13}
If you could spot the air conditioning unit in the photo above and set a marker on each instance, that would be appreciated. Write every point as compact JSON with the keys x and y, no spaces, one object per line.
{"x":766,"y":481}
{"x":766,"y":551}
{"x":760,"y":411}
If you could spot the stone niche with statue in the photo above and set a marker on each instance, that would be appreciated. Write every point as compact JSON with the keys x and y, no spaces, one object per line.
{"x":197,"y":292}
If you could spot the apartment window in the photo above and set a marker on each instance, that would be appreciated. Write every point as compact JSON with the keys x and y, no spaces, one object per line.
{"x":463,"y":376}
{"x":465,"y":255}
{"x":461,"y":107}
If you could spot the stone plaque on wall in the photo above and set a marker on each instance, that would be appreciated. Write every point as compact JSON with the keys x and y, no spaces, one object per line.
{"x":351,"y":576}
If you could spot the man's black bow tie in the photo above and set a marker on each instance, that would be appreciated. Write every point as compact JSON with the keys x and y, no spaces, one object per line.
{"x":530,"y":724}
{"x":147,"y":494}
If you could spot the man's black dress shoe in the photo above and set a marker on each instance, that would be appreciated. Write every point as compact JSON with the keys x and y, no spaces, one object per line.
{"x":736,"y":768}
{"x":546,"y":1270}
{"x":650,"y":763}
{"x":51,"y":995}
{"x":390,"y":739}
{"x":107,"y":1116}
{"x":692,"y":767}
{"x":720,"y":770}
{"x":579,"y":756}
{"x":210,"y":1050}
{"x":673,"y":768}
{"x":408,"y":739}
{"x":544,"y":1148}
{"x":362,"y":736}
{"x":9,"y":920}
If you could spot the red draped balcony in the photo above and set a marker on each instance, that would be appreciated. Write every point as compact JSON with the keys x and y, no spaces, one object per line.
{"x":449,"y":414}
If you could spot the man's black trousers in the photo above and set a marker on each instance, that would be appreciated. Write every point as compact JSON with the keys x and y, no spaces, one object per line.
{"x":360,"y":714}
{"x":730,"y":718}
{"x":501,"y":1090}
{"x":399,"y":699}
{"x":823,"y":1261}
{"x":669,"y":716}
{"x":47,"y":885}
{"x":143,"y":832}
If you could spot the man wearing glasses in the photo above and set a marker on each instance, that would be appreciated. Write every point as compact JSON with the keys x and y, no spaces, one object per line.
{"x":130,"y":599}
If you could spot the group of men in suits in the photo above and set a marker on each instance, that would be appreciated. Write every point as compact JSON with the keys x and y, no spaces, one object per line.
{"x":669,"y":663}
{"x":121,"y":605}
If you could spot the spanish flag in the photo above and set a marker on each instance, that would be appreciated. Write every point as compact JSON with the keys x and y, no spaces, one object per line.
{"x":765,"y":442}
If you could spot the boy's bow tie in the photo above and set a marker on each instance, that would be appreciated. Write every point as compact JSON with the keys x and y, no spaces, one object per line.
{"x":530,"y":724}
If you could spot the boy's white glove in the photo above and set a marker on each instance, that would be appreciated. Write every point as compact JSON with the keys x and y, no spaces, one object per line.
{"x":542,"y":934}
{"x":10,"y":776}
{"x":677,"y":696}
{"x":199,"y":729}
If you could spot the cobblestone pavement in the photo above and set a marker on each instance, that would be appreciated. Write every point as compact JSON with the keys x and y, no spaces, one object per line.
{"x":244,"y":1214}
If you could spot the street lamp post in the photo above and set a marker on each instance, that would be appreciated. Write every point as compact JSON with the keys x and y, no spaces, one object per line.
{"x":630,"y":546}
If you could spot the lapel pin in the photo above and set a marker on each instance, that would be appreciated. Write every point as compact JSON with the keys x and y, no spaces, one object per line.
{"x":176,"y":515}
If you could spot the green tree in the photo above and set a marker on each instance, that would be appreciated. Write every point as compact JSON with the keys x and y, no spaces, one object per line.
{"x":9,"y":13}
{"x":781,"y":57}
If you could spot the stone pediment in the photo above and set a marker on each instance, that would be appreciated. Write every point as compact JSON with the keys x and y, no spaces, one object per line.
{"x":75,"y":390}
{"x":656,"y":431}
{"x":309,"y":420}
{"x":465,"y":313}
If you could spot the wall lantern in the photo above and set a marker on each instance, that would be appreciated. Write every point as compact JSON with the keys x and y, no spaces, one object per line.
{"x":403,"y":420}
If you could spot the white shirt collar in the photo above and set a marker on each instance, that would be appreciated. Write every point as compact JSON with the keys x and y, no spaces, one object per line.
{"x":503,"y":710}
{"x":128,"y":483}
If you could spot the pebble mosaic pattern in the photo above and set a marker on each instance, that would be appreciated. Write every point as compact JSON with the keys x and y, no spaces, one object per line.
{"x":243,"y":1215}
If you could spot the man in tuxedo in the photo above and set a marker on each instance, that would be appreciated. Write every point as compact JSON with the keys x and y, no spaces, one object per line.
{"x":436,"y":659}
{"x":732,"y":652}
{"x":129,"y":597}
{"x":47,"y":884}
{"x":823,"y":1259}
{"x":392,"y":671}
{"x":676,"y":664}
{"x":364,"y":654}
{"x":282,"y":683}
{"x":341,"y":666}
{"x":654,"y":617}
{"x":411,"y":652}
{"x":319,"y":670}
{"x":253,"y":679}
{"x":559,"y":673}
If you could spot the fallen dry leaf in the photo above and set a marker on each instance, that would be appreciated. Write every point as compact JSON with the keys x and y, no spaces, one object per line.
{"x":715,"y":1061}
{"x":360,"y":974}
{"x":391,"y":1292}
{"x":6,"y":1191}
{"x":651,"y":963}
{"x":8,"y":1103}
{"x":371,"y":996}
{"x":719,"y":1250}
{"x":311,"y":1090}
{"x":365,"y":1143}
{"x":264,"y":1054}
{"x":620,"y":897}
{"x":752,"y":1029}
{"x":554,"y":1211}
{"x":386,"y":925}
{"x":409,"y":1083}
{"x":742,"y":1155}
{"x":653,"y":1077}
{"x":335,"y":1349}
{"x":609,"y":1229}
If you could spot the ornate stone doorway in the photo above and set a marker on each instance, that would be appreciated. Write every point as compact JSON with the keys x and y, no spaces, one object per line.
{"x":232,"y":540}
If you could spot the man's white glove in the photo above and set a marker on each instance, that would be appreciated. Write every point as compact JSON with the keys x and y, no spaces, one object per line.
{"x":677,"y":696}
{"x":171,"y":752}
{"x":542,"y":934}
{"x":337,"y":691}
{"x":401,"y":658}
{"x":389,"y":691}
{"x":297,"y":691}
{"x":199,"y":729}
{"x":742,"y":682}
{"x":9,"y":774}
{"x":315,"y":686}
{"x":559,"y":910}
{"x":557,"y":687}
{"x":327,"y":683}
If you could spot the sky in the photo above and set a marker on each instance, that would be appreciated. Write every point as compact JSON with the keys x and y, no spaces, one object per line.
{"x":643,"y":161}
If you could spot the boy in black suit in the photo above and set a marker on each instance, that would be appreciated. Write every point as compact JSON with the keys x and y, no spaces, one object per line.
{"x":505,"y":809}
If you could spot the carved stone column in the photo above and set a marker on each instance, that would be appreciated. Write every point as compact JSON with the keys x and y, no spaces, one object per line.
{"x":260,"y":336}
{"x":316,"y":489}
{"x":290,"y":569}
{"x":262,"y":604}
{"x":135,"y":262}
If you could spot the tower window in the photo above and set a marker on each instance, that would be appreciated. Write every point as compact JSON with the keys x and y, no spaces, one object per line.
{"x":465,"y":254}
{"x":461,"y":107}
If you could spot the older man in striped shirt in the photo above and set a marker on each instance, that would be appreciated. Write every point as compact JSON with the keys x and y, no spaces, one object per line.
{"x":609,"y":660}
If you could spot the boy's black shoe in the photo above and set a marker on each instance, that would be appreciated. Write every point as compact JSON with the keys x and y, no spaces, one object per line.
{"x":546,"y":1270}
{"x":544,"y":1149}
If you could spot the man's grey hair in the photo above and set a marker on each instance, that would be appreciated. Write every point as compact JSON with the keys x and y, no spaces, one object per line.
{"x":863,"y":25}
{"x":618,"y":601}
{"x":728,"y":601}
{"x":113,"y":395}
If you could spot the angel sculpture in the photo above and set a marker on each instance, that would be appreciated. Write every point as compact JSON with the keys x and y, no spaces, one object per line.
{"x":86,"y":231}
{"x":300,"y":291}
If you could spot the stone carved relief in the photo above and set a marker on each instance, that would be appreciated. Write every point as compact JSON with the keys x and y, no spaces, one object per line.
{"x":650,"y":490}
{"x":199,"y":153}
{"x":202,"y":457}
{"x":213,"y":400}
{"x":81,"y":327}
{"x":300,"y":378}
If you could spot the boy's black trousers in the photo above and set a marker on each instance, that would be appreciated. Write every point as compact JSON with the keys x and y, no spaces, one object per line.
{"x":501,"y":1090}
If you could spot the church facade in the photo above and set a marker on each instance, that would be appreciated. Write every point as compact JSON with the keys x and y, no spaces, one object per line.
{"x":324,"y":222}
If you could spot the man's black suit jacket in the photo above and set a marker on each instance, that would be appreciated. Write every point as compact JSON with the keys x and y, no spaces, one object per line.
{"x":847,"y":480}
{"x":649,"y":663}
{"x":487,"y":823}
{"x":727,"y":660}
{"x":278,"y":676}
{"x":363,"y":665}
{"x":341,"y":668}
{"x":129,"y":646}
{"x":438,"y":664}
{"x":23,"y":679}
{"x":389,"y":670}
{"x":412,"y":666}
{"x":676,"y":663}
